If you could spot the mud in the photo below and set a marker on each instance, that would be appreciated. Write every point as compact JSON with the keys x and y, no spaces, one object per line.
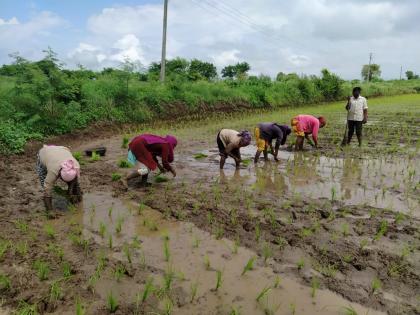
{"x":320,"y":221}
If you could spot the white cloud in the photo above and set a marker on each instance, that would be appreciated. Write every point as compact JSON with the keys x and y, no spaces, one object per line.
{"x":12,"y":21}
{"x":226,"y":57}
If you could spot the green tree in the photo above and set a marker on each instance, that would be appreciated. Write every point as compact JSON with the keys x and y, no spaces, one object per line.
{"x":371,"y":72}
{"x":411,"y":76}
{"x":200,"y":69}
{"x":236,"y":71}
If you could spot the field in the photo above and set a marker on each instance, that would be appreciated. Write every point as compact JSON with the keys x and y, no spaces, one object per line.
{"x":326,"y":231}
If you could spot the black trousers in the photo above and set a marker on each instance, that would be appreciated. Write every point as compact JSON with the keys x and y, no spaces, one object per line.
{"x":354,"y":125}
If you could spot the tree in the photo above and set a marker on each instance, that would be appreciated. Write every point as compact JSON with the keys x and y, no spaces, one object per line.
{"x":201,"y":69}
{"x":411,"y":76}
{"x":371,"y":72}
{"x":236,"y":71}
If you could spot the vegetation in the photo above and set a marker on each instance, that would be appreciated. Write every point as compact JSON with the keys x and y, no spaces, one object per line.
{"x":42,"y":98}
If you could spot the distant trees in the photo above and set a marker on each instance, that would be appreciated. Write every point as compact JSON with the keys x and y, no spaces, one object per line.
{"x":192,"y":70}
{"x":371,"y":72}
{"x":236,"y":71}
{"x":411,"y":76}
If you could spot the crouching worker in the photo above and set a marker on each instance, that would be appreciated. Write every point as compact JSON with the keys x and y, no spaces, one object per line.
{"x":143,"y":151}
{"x":303,"y":126}
{"x":265,"y":133}
{"x":54,"y":162}
{"x":229,"y":142}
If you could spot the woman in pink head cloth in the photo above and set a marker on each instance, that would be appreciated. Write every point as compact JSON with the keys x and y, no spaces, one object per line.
{"x":143,"y":151}
{"x":54,"y":162}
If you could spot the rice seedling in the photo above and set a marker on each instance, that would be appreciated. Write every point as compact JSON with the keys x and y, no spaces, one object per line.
{"x":110,"y":242}
{"x":123,"y":164}
{"x":219,"y":279}
{"x":110,"y":210}
{"x":168,"y":278}
{"x":127,"y":252}
{"x":267,"y":252}
{"x":95,"y":157}
{"x":292,"y":307}
{"x":111,"y":302}
{"x":396,"y":269}
{"x":80,"y":309}
{"x":277,"y":281}
{"x":314,"y":286}
{"x":399,"y":217}
{"x":141,"y":208}
{"x":193,"y":289}
{"x":118,"y":225}
{"x":196,"y":242}
{"x":77,"y":155}
{"x":345,"y":229}
{"x":207,"y":262}
{"x":102,"y":229}
{"x":249,"y":265}
{"x":281,"y":242}
{"x":219,"y":232}
{"x":234,"y":311}
{"x":349,"y":310}
{"x":56,"y":250}
{"x":333,"y":193}
{"x":22,"y":248}
{"x":235,"y":246}
{"x":300,"y":264}
{"x":199,"y":156}
{"x":124,"y":144}
{"x":161,"y":179}
{"x":148,"y":290}
{"x":375,"y":285}
{"x":257,"y":232}
{"x":406,"y":251}
{"x":66,"y":270}
{"x":166,"y":250}
{"x":142,"y":260}
{"x":21,"y":225}
{"x":27,"y":309}
{"x":305,"y":232}
{"x":55,"y":291}
{"x":347,"y":258}
{"x":363,"y":244}
{"x":210,"y":218}
{"x":263,"y":293}
{"x":119,"y":272}
{"x":5,"y":283}
{"x":42,"y":269}
{"x":383,"y":228}
{"x":49,"y":230}
{"x":115,"y":177}
{"x":168,"y":307}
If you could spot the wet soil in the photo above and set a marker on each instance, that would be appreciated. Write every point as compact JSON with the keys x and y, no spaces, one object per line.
{"x":327,"y":233}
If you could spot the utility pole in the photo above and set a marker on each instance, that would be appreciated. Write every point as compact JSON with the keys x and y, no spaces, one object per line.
{"x":401,"y":73}
{"x":163,"y":59}
{"x":370,"y":62}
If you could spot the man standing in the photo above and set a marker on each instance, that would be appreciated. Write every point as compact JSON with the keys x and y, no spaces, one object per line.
{"x":357,"y":115}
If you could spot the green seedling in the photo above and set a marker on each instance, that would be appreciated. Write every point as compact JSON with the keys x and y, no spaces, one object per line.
{"x":67,"y":272}
{"x":383,"y":228}
{"x":110,"y":210}
{"x":168,"y":307}
{"x":219,"y":232}
{"x":55,"y":291}
{"x":49,"y":230}
{"x":57,"y":250}
{"x":127,"y":252}
{"x":246,"y":162}
{"x":194,"y":289}
{"x":102,"y":229}
{"x":207,"y":262}
{"x":166,"y":250}
{"x":115,"y":177}
{"x":119,"y":272}
{"x":363,"y":243}
{"x":21,"y":225}
{"x":77,"y":155}
{"x":314,"y":286}
{"x":22,"y":248}
{"x":263,"y":293}
{"x":376,"y":285}
{"x":168,"y":278}
{"x":349,"y":310}
{"x":148,"y":290}
{"x":257,"y":232}
{"x":267,"y":252}
{"x":218,"y":279}
{"x":161,"y":179}
{"x":124,"y":144}
{"x":196,"y":242}
{"x":110,"y":243}
{"x":234,"y":311}
{"x":80,"y":309}
{"x":5,"y":283}
{"x":333,"y":193}
{"x":118,"y":225}
{"x":249,"y":265}
{"x":345,"y":229}
{"x":27,"y":309}
{"x":292,"y":307}
{"x":199,"y":156}
{"x":123,"y":164}
{"x":95,"y":157}
{"x":141,"y":208}
{"x":399,"y":217}
{"x":112,"y":303}
{"x":300,"y":264}
{"x":277,"y":281}
{"x":42,"y":269}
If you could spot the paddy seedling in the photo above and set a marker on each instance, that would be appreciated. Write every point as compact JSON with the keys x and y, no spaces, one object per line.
{"x":124,"y":143}
{"x":300,"y":264}
{"x":80,"y":309}
{"x":148,"y":290}
{"x":5,"y":283}
{"x":166,"y":249}
{"x":249,"y":265}
{"x":168,"y":278}
{"x":314,"y":286}
{"x":66,"y":269}
{"x":196,"y":242}
{"x":168,"y":307}
{"x":141,"y":208}
{"x":110,"y":242}
{"x":219,"y":280}
{"x":95,"y":157}
{"x":264,"y":292}
{"x":207,"y":262}
{"x":102,"y":229}
{"x":161,"y":179}
{"x":219,"y":232}
{"x":21,"y":225}
{"x":49,"y":230}
{"x":55,"y":291}
{"x":363,"y":243}
{"x":56,"y":250}
{"x":118,"y":225}
{"x":193,"y":289}
{"x":42,"y":269}
{"x":349,"y":310}
{"x":399,"y":217}
{"x":111,"y":302}
{"x":277,"y":281}
{"x":257,"y":232}
{"x":110,"y":210}
{"x":115,"y":177}
{"x":127,"y":252}
{"x":345,"y":229}
{"x":123,"y":164}
{"x":77,"y":155}
{"x":383,"y":228}
{"x":22,"y":248}
{"x":27,"y":309}
{"x":119,"y":272}
{"x":199,"y":156}
{"x":375,"y":285}
{"x":267,"y":251}
{"x":234,"y":311}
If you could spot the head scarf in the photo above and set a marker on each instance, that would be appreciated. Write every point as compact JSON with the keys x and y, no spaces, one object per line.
{"x":245,"y":138}
{"x":169,"y":139}
{"x":322,"y":120}
{"x":69,"y":171}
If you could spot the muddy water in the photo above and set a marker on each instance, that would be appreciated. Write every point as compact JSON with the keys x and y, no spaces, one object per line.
{"x":189,"y":248}
{"x":381,"y":183}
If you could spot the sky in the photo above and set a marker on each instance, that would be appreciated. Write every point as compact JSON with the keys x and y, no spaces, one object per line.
{"x":302,"y":36}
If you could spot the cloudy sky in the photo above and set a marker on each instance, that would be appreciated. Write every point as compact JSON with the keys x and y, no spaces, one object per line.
{"x":300,"y":36}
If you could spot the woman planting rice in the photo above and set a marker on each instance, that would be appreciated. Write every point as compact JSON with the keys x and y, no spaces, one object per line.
{"x":229,"y":142}
{"x":143,"y":151}
{"x":303,"y":126}
{"x":265,"y":133}
{"x":54,"y":162}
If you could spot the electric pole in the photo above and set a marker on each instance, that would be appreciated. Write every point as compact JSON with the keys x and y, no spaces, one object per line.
{"x":401,"y":73}
{"x":163,"y":59}
{"x":370,"y":62}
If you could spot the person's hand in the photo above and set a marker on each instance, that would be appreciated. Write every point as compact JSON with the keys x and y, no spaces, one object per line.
{"x":364,"y":121}
{"x":348,"y":98}
{"x":173,"y":172}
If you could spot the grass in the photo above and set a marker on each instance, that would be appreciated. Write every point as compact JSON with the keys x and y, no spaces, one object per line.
{"x":55,"y":291}
{"x":111,"y":302}
{"x":5,"y":283}
{"x":42,"y":269}
{"x":27,"y":309}
{"x":115,"y":177}
{"x":249,"y":265}
{"x":49,"y":230}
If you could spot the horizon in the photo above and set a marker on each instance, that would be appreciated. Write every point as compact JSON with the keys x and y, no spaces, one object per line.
{"x":293,"y":38}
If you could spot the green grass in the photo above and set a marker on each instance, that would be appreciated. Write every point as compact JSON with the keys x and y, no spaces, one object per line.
{"x":115,"y":177}
{"x":199,"y":156}
{"x":123,"y":164}
{"x":111,"y":302}
{"x":249,"y":265}
{"x":161,"y":179}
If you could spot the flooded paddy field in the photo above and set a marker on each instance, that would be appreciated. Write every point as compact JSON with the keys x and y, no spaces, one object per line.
{"x":329,"y":231}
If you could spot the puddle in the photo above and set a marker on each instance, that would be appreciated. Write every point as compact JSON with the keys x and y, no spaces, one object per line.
{"x":189,"y":248}
{"x":380,"y":183}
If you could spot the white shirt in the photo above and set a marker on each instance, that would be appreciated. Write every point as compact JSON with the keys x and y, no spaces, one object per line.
{"x":357,"y":105}
{"x":229,"y":136}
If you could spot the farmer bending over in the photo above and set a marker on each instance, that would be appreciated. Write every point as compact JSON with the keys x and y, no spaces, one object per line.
{"x":229,"y":142}
{"x":265,"y":133}
{"x":143,"y":151}
{"x":54,"y":162}
{"x":357,"y":114}
{"x":303,"y":126}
